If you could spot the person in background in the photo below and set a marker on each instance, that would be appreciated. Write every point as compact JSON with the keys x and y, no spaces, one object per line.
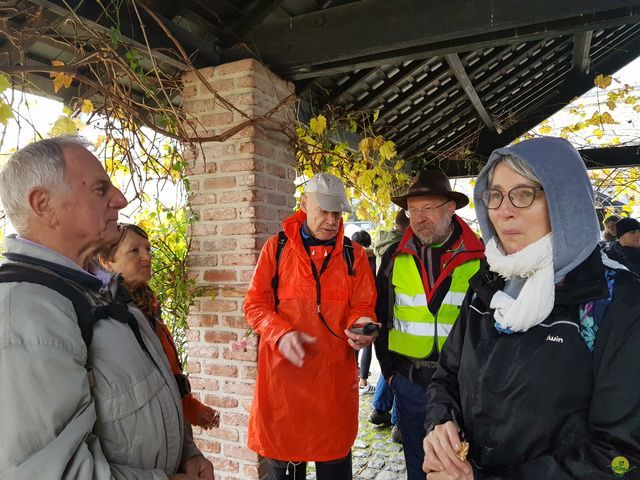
{"x":311,"y":286}
{"x":384,"y":400}
{"x":391,"y":237}
{"x":97,"y":406}
{"x":131,"y":258}
{"x":609,"y":233}
{"x":421,"y":283}
{"x":363,"y":238}
{"x":626,"y":249}
{"x":538,"y":378}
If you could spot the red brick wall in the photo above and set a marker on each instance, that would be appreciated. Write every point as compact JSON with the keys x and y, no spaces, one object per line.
{"x":241,"y":190}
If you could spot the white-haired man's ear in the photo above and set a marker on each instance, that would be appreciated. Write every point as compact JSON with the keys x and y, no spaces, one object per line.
{"x":40,"y":202}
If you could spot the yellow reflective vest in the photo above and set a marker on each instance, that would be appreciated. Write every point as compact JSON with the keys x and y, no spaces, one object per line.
{"x":415,"y":328}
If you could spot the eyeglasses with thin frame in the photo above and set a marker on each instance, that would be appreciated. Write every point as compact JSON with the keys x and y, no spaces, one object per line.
{"x":415,"y":212}
{"x":520,"y":197}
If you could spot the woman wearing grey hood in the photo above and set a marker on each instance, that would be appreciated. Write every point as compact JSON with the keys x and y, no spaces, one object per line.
{"x":540,"y":377}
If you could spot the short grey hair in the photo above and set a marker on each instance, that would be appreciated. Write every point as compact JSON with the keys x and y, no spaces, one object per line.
{"x":39,"y":164}
{"x":515,"y":164}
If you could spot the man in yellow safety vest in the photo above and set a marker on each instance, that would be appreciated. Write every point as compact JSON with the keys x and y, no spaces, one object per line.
{"x":421,"y":283}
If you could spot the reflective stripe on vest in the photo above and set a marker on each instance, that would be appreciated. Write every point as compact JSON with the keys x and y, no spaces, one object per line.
{"x":414,"y":327}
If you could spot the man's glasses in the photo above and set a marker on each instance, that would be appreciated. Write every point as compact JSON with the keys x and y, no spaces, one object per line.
{"x":520,"y":197}
{"x":416,"y":212}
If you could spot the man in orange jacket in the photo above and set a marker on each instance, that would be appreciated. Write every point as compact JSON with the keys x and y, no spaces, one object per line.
{"x":310,"y":287}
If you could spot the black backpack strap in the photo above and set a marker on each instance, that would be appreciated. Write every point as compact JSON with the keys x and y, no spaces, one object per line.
{"x":282,"y":241}
{"x":87,"y":314}
{"x":347,"y":253}
{"x":14,"y":272}
{"x":119,"y":310}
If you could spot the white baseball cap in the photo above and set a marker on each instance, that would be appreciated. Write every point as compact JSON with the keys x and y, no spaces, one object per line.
{"x":329,"y":191}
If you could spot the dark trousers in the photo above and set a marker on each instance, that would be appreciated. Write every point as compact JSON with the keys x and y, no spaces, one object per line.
{"x":365,"y":361}
{"x":411,"y":402}
{"x":339,"y":469}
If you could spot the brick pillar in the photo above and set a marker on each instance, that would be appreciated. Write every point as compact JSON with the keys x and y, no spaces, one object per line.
{"x":241,"y":190}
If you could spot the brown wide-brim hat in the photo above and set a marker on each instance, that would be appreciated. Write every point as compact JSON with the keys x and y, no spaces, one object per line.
{"x":431,"y":182}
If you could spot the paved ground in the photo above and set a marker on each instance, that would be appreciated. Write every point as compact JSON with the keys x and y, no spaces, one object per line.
{"x":375,"y":455}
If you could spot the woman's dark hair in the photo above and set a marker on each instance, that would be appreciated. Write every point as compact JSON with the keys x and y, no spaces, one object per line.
{"x":108,"y":254}
{"x":363,"y":238}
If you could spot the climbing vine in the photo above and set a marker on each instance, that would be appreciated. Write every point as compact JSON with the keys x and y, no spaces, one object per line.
{"x":130,"y":93}
{"x":344,"y":143}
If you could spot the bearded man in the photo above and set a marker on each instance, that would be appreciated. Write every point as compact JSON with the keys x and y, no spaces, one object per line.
{"x":421,"y":283}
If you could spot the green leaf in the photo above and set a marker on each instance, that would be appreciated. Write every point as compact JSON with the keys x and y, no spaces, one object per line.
{"x":6,"y":112}
{"x":4,"y":83}
{"x":63,"y":126}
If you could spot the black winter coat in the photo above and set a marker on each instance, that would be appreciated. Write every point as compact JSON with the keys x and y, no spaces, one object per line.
{"x":627,"y":256}
{"x":540,"y":404}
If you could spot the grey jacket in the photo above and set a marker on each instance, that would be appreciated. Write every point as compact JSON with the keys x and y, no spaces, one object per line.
{"x":128,"y":425}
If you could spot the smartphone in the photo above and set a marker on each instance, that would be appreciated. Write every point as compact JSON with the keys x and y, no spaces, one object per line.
{"x":368,"y":329}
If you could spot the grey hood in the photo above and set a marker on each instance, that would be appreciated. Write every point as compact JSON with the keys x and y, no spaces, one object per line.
{"x":569,"y":193}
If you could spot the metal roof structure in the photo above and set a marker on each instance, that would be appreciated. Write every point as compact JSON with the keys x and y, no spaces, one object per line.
{"x":451,"y":80}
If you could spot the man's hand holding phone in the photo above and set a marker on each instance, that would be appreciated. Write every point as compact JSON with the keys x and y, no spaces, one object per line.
{"x":362,"y":333}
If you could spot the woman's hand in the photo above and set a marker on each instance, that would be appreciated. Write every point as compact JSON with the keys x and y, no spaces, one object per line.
{"x":440,"y":448}
{"x":446,"y":476}
{"x":208,"y":418}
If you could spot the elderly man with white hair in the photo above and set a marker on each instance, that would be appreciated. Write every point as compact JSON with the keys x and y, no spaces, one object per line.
{"x":86,"y":391}
{"x":311,"y":300}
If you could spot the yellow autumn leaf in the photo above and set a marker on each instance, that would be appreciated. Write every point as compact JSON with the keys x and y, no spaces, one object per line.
{"x":598,"y":132}
{"x":60,"y":79}
{"x":6,"y":112}
{"x":545,"y":129}
{"x":99,"y":141}
{"x":631,"y":100}
{"x":87,"y":106}
{"x":365,"y":144}
{"x":603,"y":81}
{"x":376,"y":114}
{"x":4,"y":83}
{"x":611,"y":104}
{"x":615,"y":141}
{"x":318,"y":124}
{"x":63,"y":126}
{"x":388,"y":150}
{"x":607,"y":118}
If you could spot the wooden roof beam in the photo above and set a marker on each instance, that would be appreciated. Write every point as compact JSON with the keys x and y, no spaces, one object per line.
{"x":581,"y":47}
{"x":463,"y":79}
{"x":371,"y":33}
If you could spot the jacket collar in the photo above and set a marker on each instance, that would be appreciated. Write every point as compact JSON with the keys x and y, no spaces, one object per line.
{"x":293,"y":225}
{"x":25,"y":251}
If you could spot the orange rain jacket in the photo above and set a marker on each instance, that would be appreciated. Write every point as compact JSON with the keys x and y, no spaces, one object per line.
{"x":308,"y":413}
{"x":191,"y":405}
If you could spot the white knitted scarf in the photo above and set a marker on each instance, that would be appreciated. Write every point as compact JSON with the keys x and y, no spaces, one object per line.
{"x":536,"y":299}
